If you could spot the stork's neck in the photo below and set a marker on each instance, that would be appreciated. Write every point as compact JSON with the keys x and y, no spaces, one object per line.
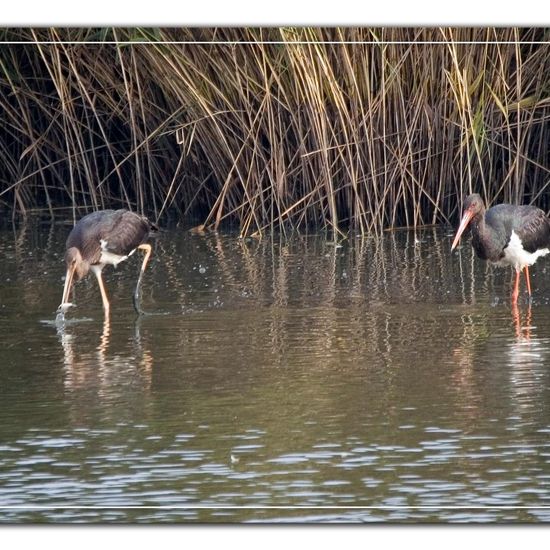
{"x":485,"y":238}
{"x":478,"y":222}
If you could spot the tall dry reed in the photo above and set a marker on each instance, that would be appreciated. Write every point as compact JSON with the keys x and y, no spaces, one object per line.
{"x":362,"y":128}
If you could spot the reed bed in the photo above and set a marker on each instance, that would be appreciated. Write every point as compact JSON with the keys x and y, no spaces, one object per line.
{"x":357,"y":129}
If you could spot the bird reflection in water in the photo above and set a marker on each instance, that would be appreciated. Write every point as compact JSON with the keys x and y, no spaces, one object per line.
{"x":523,"y":330}
{"x":91,"y":366}
{"x":103,"y":346}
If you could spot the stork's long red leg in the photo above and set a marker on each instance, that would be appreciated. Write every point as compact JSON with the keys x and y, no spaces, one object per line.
{"x":137,"y":294}
{"x":515,"y":292}
{"x":97,"y":272}
{"x":526,"y":272}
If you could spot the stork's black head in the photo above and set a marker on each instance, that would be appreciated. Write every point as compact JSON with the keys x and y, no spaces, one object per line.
{"x":473,"y":206}
{"x":75,"y":262}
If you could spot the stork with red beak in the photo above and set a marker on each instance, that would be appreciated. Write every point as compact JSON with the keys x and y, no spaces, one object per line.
{"x":101,"y":238}
{"x":506,"y":235}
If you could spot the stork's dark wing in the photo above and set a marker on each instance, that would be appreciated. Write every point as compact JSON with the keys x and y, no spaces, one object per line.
{"x":85,"y":235}
{"x":533,"y":228}
{"x":126,"y":233}
{"x":121,"y":230}
{"x":529,"y":223}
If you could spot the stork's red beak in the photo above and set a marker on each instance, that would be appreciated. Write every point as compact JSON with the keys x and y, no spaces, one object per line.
{"x":67,"y":289}
{"x":468,"y":215}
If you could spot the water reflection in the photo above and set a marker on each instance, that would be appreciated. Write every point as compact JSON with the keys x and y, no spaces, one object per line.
{"x":99,"y":369}
{"x":522,"y":325}
{"x":287,"y":371}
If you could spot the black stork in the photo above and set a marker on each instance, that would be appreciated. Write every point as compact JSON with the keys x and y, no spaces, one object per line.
{"x":101,"y":238}
{"x":506,"y":235}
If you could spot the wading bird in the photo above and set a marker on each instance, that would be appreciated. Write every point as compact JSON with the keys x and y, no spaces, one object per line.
{"x":101,"y":238}
{"x":506,"y":235}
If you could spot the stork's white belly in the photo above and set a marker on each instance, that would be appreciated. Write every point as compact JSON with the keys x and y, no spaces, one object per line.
{"x":108,"y":257}
{"x":516,"y":256}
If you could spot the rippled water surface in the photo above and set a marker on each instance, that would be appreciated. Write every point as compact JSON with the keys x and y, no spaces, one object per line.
{"x":293,"y":378}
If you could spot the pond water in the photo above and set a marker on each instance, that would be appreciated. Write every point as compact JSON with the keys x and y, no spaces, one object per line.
{"x":288,"y":379}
